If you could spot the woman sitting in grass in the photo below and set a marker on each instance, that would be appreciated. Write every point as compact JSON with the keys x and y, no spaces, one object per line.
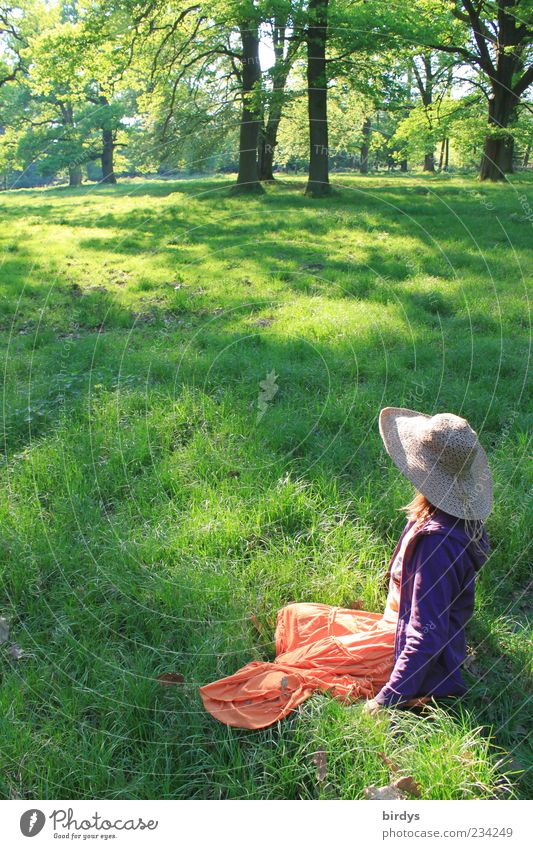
{"x":416,"y":648}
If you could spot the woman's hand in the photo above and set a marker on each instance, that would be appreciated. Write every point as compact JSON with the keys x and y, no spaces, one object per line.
{"x":371,"y":707}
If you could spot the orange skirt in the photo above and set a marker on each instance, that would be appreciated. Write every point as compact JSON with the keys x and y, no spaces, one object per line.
{"x":318,"y":647}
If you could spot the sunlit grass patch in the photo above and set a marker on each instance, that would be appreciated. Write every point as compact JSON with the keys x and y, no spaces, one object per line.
{"x":151,"y":505}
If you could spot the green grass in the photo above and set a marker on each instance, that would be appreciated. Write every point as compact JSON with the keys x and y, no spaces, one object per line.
{"x":147,"y":514}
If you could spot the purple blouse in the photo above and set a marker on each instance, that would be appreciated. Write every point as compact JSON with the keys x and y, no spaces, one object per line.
{"x":436,"y":601}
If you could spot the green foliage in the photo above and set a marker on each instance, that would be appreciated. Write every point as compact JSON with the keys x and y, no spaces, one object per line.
{"x":166,"y":80}
{"x":70,"y":92}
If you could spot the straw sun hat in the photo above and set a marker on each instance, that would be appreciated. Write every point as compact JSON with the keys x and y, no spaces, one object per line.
{"x":441,"y":455}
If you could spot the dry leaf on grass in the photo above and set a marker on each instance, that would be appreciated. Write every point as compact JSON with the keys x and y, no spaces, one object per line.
{"x":320,"y":760}
{"x":169,"y":678}
{"x":408,"y":785}
{"x":391,"y":765}
{"x":356,"y":605}
{"x":399,"y":789}
{"x":389,"y":791}
{"x":472,"y":666}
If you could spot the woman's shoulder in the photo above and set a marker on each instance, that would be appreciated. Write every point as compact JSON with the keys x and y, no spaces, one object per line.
{"x":440,"y":522}
{"x":455,"y":533}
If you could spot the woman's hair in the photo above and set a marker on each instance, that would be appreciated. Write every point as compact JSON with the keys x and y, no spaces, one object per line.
{"x":420,"y":508}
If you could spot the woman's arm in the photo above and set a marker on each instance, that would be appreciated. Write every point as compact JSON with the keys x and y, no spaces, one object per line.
{"x":437,"y":561}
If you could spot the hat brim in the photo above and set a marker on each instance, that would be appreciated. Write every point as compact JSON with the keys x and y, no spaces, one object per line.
{"x":466,"y":497}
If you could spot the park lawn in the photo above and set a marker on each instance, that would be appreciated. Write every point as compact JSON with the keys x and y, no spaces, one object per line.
{"x":149,"y":513}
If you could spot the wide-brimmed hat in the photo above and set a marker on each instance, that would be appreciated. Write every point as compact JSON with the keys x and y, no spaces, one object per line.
{"x":441,"y":455}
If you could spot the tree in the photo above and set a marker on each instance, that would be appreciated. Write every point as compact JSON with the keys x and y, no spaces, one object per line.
{"x":248,"y":176}
{"x":286,"y":34}
{"x":425,"y":78}
{"x":426,"y":127}
{"x":197,"y":132}
{"x":317,"y":99}
{"x":497,"y":41}
{"x":41,"y":124}
{"x":181,"y":40}
{"x":12,"y":40}
{"x":433,"y":76}
{"x":365,"y":146}
{"x":366,"y":58}
{"x":69,"y":73}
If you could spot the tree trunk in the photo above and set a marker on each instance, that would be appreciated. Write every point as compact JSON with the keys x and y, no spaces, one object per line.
{"x":262,"y":163}
{"x":248,"y":176}
{"x":444,"y":155}
{"x":283,"y":60}
{"x":74,"y":175}
{"x":508,"y":155}
{"x":108,"y":142}
{"x":108,"y":150}
{"x":429,"y":162}
{"x":498,"y":150}
{"x":490,"y":159}
{"x":267,"y":144}
{"x":425,"y":83}
{"x":403,"y":166}
{"x":363,"y":165}
{"x":441,"y":155}
{"x":497,"y":159}
{"x":74,"y":168}
{"x":317,"y":99}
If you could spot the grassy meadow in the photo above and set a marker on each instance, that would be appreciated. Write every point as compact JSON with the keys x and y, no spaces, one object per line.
{"x":155,"y":516}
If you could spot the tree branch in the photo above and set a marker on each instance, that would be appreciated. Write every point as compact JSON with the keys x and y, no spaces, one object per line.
{"x":481,"y":35}
{"x":524,"y":83}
